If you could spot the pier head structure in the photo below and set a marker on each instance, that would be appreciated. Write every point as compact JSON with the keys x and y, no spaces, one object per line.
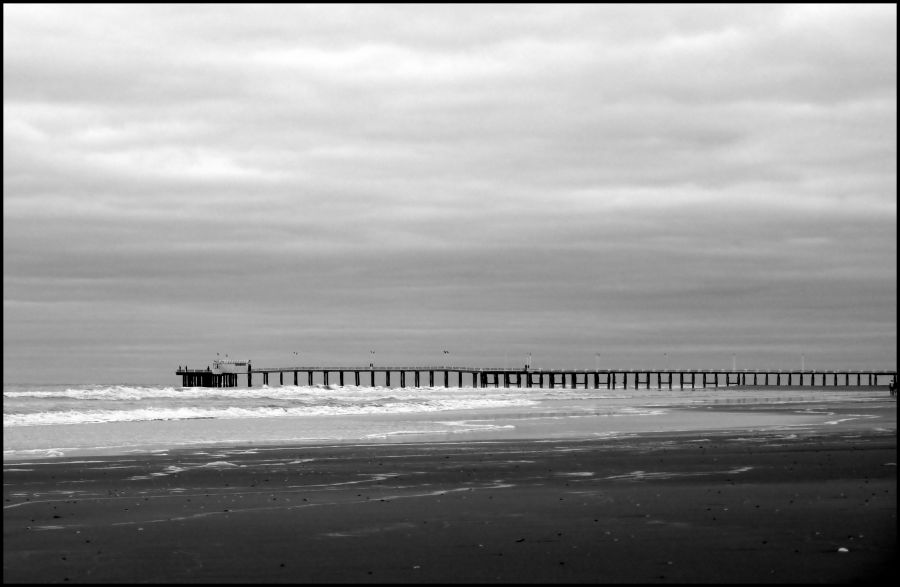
{"x":443,"y":376}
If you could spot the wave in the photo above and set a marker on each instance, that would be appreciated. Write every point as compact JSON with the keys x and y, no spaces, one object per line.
{"x":132,"y":393}
{"x":193,"y":413}
{"x":100,"y":392}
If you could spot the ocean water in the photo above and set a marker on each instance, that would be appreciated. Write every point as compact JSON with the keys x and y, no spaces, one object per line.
{"x":64,"y":420}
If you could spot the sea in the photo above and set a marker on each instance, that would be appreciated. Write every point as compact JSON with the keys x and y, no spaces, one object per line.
{"x":43,"y":421}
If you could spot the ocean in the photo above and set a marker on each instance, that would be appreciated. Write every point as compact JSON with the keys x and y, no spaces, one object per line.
{"x":41,"y":421}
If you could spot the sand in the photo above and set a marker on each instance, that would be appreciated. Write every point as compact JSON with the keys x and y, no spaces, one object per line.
{"x":705,"y":506}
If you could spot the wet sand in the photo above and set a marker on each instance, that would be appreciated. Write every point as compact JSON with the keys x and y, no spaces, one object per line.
{"x":672,"y":506}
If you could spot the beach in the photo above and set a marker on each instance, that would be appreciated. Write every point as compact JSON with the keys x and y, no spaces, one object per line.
{"x":705,"y":493}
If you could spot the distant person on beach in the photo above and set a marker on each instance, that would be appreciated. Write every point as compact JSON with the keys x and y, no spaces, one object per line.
{"x":893,"y":387}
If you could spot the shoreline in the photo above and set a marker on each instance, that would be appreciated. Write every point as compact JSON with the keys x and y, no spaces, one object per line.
{"x":556,"y":416}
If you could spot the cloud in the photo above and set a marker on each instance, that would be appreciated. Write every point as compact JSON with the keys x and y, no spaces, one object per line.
{"x":452,"y":165}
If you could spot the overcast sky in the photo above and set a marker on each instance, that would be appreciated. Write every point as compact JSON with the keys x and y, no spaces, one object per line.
{"x":636,"y":185}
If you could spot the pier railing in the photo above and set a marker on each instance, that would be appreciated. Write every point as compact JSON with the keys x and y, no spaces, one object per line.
{"x":529,"y":377}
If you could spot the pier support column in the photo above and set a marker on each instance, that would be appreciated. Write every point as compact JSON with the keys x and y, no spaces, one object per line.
{"x":356,"y":378}
{"x":446,"y":378}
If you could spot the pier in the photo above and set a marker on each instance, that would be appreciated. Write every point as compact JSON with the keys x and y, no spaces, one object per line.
{"x":444,"y":376}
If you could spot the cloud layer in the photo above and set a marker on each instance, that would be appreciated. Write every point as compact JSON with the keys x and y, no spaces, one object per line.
{"x":702,"y":182}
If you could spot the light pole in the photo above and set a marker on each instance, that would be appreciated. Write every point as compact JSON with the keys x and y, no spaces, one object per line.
{"x":733,"y":361}
{"x":802,"y":362}
{"x":667,"y":360}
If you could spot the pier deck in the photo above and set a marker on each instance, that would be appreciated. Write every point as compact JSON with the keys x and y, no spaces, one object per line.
{"x":432,"y":375}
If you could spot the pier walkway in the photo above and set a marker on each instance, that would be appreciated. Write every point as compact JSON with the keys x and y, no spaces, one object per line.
{"x":521,"y":377}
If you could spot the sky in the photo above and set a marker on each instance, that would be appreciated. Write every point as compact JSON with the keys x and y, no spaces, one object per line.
{"x":622,"y":186}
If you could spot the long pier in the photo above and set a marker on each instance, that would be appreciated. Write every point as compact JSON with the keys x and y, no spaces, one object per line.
{"x":476,"y":377}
